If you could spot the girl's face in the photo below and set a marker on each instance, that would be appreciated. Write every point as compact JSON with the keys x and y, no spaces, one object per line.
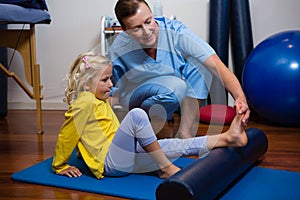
{"x":103,"y":83}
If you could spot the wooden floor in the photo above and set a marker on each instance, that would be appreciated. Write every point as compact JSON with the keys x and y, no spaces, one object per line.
{"x":21,"y":147}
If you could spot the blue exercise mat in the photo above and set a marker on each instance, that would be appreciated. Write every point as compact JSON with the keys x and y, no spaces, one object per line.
{"x":258,"y":183}
{"x":266,"y":184}
{"x":134,"y":186}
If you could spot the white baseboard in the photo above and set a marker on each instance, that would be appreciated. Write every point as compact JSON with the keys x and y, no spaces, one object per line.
{"x":32,"y":105}
{"x":58,"y":105}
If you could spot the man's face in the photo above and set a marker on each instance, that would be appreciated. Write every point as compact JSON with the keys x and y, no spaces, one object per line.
{"x":142,"y":27}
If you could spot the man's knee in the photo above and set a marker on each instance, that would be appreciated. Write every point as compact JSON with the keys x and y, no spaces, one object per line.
{"x":138,"y":114}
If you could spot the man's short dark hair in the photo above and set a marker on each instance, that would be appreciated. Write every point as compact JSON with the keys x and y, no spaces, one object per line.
{"x":127,"y":8}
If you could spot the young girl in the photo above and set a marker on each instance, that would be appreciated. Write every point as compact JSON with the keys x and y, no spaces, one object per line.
{"x":112,"y":149}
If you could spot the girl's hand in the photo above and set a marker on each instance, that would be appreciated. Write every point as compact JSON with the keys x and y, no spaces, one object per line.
{"x":72,"y":171}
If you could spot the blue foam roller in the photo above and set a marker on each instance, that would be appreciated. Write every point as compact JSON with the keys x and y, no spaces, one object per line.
{"x":208,"y":177}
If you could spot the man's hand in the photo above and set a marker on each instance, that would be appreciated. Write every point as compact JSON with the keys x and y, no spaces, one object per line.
{"x":242,"y":108}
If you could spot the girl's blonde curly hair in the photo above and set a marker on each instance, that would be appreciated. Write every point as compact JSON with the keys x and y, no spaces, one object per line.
{"x":82,"y":71}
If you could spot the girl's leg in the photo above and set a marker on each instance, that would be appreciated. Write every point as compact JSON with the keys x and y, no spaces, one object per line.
{"x":121,"y":157}
{"x":166,"y":168}
{"x":125,"y":156}
{"x":175,"y":147}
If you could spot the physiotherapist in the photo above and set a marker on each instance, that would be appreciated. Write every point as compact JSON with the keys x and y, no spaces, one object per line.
{"x":158,"y":61}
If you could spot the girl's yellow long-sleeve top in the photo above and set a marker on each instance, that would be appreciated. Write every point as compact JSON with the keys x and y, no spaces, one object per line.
{"x":90,"y":125}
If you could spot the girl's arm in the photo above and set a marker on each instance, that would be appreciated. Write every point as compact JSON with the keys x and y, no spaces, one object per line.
{"x":67,"y":140}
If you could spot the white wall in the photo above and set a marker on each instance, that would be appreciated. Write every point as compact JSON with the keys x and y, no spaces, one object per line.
{"x":75,"y":28}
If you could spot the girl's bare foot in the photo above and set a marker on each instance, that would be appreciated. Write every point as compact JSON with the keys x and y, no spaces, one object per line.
{"x":236,"y":135}
{"x":168,"y":171}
